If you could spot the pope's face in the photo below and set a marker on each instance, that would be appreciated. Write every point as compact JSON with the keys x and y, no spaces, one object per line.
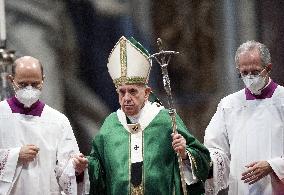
{"x":132,"y":98}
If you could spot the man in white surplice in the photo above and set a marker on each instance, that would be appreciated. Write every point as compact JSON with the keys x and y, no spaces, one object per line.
{"x":246,"y":134}
{"x":38,"y":151}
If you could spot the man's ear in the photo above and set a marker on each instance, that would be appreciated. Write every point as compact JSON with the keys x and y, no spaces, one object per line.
{"x":10,"y":78}
{"x":268,"y":68}
{"x":147,"y":92}
{"x":43,"y":77}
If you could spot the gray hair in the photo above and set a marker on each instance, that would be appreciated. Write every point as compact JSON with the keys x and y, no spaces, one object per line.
{"x":251,"y":45}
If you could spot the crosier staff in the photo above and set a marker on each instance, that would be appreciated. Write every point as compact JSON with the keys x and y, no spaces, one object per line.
{"x":163,"y":58}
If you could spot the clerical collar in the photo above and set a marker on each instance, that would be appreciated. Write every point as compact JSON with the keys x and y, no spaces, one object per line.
{"x":17,"y":107}
{"x":267,"y":92}
{"x":135,"y":118}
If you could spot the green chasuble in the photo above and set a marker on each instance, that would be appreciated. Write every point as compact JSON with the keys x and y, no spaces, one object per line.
{"x":109,"y":161}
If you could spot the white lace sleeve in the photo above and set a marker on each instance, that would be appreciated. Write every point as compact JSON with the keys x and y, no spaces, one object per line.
{"x":64,"y":170}
{"x":216,"y":140}
{"x":3,"y":161}
{"x":220,"y":173}
{"x":189,"y":176}
{"x":66,"y":177}
{"x":8,"y":165}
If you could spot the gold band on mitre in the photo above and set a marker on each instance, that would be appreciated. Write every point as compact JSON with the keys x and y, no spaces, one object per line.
{"x":128,"y":63}
{"x":129,"y":81}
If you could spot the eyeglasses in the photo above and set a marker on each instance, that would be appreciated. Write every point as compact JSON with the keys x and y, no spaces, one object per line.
{"x":22,"y":85}
{"x":252,"y":73}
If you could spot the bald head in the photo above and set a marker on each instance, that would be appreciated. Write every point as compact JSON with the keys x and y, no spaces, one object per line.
{"x":28,"y":63}
{"x":26,"y":71}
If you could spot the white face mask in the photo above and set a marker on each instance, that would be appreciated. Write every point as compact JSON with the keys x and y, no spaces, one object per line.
{"x":254,"y":83}
{"x":28,"y":95}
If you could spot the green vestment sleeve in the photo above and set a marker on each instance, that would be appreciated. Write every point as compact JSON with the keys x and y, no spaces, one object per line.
{"x":96,"y":170}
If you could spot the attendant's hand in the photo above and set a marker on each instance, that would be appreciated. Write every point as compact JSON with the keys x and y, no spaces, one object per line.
{"x":28,"y":153}
{"x":179,"y":145}
{"x":80,"y":163}
{"x":256,"y":171}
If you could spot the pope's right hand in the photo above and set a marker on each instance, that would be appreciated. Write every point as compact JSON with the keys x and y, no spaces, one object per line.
{"x":28,"y":153}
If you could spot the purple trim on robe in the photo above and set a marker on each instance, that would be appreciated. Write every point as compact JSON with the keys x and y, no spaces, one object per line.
{"x":267,"y":92}
{"x":17,"y":107}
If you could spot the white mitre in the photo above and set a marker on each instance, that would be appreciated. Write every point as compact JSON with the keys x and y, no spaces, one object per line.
{"x":128,"y":63}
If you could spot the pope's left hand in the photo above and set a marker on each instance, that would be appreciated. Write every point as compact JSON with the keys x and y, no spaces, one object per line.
{"x":80,"y":163}
{"x":256,"y":171}
{"x":179,"y":145}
